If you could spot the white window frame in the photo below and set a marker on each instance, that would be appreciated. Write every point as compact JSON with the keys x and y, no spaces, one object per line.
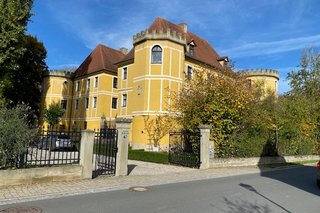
{"x":88,"y":84}
{"x":86,"y":103}
{"x":78,"y":86}
{"x":94,"y":102}
{"x":124,"y":73}
{"x":66,"y":102}
{"x":112,"y":103}
{"x":96,"y":82}
{"x":151,"y":55}
{"x":114,"y":78}
{"x":189,"y":77}
{"x":124,"y":101}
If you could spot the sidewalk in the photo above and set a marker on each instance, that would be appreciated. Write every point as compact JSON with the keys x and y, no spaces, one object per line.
{"x":140,"y":174}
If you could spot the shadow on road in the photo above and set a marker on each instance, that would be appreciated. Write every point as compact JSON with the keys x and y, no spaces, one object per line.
{"x":240,"y":206}
{"x":301,"y":177}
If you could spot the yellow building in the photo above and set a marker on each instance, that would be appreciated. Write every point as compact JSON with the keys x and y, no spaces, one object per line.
{"x":266,"y":79}
{"x":112,"y":83}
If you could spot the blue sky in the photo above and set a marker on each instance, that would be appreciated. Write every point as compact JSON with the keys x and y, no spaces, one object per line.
{"x":252,"y":33}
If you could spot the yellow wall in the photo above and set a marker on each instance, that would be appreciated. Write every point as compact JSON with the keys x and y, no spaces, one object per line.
{"x":55,"y":88}
{"x":147,"y":86}
{"x":103,"y":92}
{"x":268,"y":84}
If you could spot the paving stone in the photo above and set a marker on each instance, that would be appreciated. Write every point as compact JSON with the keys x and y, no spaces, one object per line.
{"x":143,"y":174}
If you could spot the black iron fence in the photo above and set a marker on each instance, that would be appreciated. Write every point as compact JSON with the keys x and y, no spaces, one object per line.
{"x":51,"y":147}
{"x":105,"y":151}
{"x":184,"y":148}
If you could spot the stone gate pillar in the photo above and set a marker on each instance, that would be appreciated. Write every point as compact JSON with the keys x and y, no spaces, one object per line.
{"x":204,"y":146}
{"x":123,"y":127}
{"x":86,"y":153}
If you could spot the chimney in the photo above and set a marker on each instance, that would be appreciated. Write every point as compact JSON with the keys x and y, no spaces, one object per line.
{"x":124,"y":50}
{"x":184,"y":27}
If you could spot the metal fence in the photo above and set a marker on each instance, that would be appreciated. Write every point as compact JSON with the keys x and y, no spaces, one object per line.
{"x":105,"y":151}
{"x":51,"y":147}
{"x":184,"y":148}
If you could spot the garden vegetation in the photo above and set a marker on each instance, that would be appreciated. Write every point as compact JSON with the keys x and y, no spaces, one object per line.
{"x":246,"y":122}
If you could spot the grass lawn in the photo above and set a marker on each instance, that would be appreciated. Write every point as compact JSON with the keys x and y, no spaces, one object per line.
{"x":155,"y":157}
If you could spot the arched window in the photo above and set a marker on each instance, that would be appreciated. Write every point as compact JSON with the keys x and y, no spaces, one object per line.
{"x":156,"y":55}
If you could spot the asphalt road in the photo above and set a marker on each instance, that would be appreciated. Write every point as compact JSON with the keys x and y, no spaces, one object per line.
{"x":282,"y":190}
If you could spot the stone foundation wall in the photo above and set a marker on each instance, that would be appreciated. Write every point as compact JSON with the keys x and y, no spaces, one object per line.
{"x":36,"y":175}
{"x":227,"y":162}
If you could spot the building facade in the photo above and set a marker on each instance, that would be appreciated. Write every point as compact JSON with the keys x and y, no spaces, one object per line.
{"x":137,"y":84}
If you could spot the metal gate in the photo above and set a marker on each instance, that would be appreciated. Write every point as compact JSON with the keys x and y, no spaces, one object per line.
{"x":105,"y":151}
{"x":184,"y":148}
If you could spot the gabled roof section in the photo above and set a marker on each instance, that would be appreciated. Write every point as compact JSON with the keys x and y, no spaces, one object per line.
{"x":164,"y":24}
{"x":102,"y":58}
{"x":203,"y":51}
{"x":128,"y":57}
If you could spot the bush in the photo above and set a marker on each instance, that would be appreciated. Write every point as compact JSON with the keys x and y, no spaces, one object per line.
{"x":15,"y":133}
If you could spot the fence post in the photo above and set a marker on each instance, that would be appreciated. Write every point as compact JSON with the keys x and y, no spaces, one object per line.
{"x":86,"y":153}
{"x":123,"y":128}
{"x":204,"y":146}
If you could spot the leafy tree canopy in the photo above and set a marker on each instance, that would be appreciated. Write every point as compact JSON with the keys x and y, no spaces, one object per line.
{"x":53,"y":114}
{"x":24,"y":84}
{"x":14,"y":15}
{"x":215,"y":98}
{"x":306,"y":81}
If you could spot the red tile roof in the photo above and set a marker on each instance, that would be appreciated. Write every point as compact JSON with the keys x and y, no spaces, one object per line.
{"x":203,"y":51}
{"x":128,"y":57}
{"x":102,"y":58}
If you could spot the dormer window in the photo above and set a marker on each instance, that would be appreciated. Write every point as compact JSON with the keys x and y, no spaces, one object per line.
{"x":223,"y":60}
{"x":191,"y":50}
{"x":156,"y":55}
{"x":191,"y":45}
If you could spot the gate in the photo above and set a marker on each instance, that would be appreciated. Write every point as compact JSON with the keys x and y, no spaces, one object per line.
{"x":105,"y":151}
{"x":184,"y":148}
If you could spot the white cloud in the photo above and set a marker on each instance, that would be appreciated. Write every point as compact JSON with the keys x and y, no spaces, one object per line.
{"x":266,"y":48}
{"x":85,"y":21}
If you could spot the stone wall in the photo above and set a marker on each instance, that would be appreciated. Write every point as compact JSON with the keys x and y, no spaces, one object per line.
{"x":36,"y":175}
{"x":229,"y":162}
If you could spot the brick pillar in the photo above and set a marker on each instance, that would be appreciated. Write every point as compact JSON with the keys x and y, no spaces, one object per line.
{"x":204,"y":146}
{"x":123,"y":127}
{"x":86,"y":153}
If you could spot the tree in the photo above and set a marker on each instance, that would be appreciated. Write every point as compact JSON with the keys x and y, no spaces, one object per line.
{"x":16,"y":133}
{"x":14,"y":15}
{"x":215,"y":98}
{"x":53,"y":114}
{"x":306,"y":81}
{"x":305,"y":84}
{"x":288,"y":124}
{"x":25,"y":82}
{"x":158,"y":127}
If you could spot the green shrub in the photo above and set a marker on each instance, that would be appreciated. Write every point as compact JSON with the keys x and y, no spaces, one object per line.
{"x":15,"y":133}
